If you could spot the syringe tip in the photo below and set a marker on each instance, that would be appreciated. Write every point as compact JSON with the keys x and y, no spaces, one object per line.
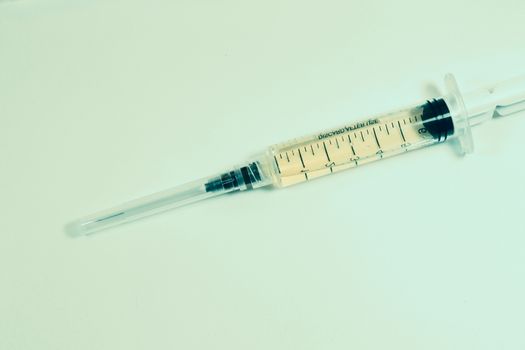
{"x":75,"y":229}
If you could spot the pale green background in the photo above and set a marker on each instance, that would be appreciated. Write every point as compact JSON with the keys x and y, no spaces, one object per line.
{"x":104,"y":101}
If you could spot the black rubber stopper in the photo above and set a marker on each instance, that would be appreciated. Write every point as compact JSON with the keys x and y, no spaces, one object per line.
{"x":437,"y":119}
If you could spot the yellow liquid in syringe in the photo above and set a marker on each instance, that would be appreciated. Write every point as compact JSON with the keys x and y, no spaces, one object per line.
{"x":350,"y":146}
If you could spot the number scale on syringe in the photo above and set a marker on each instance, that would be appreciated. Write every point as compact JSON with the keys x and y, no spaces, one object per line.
{"x":350,"y":146}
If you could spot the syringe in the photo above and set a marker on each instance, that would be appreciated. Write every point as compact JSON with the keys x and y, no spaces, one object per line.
{"x":449,"y":117}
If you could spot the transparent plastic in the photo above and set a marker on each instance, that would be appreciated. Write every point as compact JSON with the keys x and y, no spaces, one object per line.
{"x":346,"y":147}
{"x":459,"y":114}
{"x":351,"y":145}
{"x":237,"y":179}
{"x":136,"y":209}
{"x":387,"y":135}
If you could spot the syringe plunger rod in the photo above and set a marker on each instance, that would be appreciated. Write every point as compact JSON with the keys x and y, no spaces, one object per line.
{"x":495,"y":100}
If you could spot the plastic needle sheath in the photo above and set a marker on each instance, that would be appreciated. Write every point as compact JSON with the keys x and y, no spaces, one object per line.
{"x":133,"y":210}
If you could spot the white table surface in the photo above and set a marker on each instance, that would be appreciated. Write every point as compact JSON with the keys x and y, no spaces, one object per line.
{"x":105,"y":101}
